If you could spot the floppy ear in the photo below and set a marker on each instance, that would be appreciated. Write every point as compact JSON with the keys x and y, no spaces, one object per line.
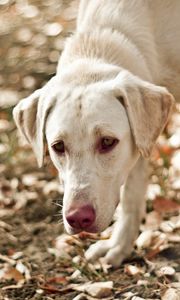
{"x":148,"y":107}
{"x":30,"y":115}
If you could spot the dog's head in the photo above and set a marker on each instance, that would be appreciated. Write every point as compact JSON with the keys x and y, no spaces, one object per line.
{"x":95,"y":134}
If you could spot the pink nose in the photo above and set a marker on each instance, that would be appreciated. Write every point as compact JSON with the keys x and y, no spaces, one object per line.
{"x":82,"y":217}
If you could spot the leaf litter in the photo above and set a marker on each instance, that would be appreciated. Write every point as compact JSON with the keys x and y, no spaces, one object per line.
{"x":38,"y":260}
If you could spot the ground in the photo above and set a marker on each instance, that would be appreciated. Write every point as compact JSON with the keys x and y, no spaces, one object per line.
{"x":37,"y":260}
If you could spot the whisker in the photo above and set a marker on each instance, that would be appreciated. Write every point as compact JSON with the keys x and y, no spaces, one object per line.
{"x":58,"y":204}
{"x":58,"y":214}
{"x":61,"y":222}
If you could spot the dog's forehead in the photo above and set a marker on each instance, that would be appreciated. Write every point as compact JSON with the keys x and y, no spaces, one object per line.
{"x":79,"y":111}
{"x":85,"y":102}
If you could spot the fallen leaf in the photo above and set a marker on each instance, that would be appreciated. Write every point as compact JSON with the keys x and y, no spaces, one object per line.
{"x":7,"y":259}
{"x":81,"y":296}
{"x":174,"y":140}
{"x":163,"y":205}
{"x":153,"y":220}
{"x":5,"y":125}
{"x":158,"y":244}
{"x":176,"y":160}
{"x":100,"y":289}
{"x":86,"y":235}
{"x":153,"y":191}
{"x":167,"y":226}
{"x":142,"y":282}
{"x":57,"y":279}
{"x":17,"y":255}
{"x":159,"y":239}
{"x":144,"y":240}
{"x":166,"y":270}
{"x":52,"y":186}
{"x":176,"y":285}
{"x":29,"y":179}
{"x":132,"y":270}
{"x":137,"y":298}
{"x":8,"y":98}
{"x":76,"y":274}
{"x":52,"y":289}
{"x":165,"y":149}
{"x":64,"y":245}
{"x":173,"y":238}
{"x":52,"y":29}
{"x":23,"y":270}
{"x":12,"y":273}
{"x":171,"y":294}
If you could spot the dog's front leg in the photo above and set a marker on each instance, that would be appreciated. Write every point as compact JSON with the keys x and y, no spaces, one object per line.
{"x":126,"y":228}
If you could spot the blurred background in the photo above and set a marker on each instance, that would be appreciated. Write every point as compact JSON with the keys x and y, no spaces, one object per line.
{"x":32,"y":36}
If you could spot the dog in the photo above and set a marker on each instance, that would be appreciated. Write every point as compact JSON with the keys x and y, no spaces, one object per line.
{"x":103,"y":111}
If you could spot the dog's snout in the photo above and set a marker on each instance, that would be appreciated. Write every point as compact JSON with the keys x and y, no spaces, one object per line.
{"x":82,"y":217}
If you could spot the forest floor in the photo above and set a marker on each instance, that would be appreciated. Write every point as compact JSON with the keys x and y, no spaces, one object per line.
{"x":37,"y":259}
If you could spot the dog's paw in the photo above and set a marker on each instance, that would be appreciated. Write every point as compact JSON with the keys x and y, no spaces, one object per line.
{"x":97,"y":250}
{"x":113,"y":255}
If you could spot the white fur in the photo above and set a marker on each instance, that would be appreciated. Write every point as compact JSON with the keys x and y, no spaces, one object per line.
{"x":108,"y":84}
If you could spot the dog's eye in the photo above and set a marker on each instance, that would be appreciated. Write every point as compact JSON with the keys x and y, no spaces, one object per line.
{"x":107,"y":143}
{"x":59,"y":147}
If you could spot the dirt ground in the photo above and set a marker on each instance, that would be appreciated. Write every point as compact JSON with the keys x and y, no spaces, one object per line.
{"x":37,"y":260}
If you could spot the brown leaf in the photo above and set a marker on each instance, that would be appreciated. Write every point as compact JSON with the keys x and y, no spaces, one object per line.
{"x":165,"y":149}
{"x":52,"y":289}
{"x":12,"y":273}
{"x":163,"y":205}
{"x":58,"y":279}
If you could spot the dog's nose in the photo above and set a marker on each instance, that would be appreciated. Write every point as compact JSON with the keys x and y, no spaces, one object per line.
{"x":82,"y":217}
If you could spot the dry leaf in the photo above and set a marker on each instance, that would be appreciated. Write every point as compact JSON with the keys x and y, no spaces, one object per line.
{"x":159,"y":240}
{"x":173,"y":238}
{"x":23,"y":270}
{"x":81,"y":296}
{"x":52,"y":29}
{"x":97,"y":289}
{"x":29,"y":179}
{"x":132,"y":270}
{"x":7,"y":259}
{"x":163,"y":205}
{"x":142,"y":282}
{"x":166,"y":270}
{"x":17,"y":255}
{"x":153,"y":190}
{"x":12,"y":273}
{"x":167,"y":226}
{"x":171,"y":294}
{"x":137,"y":298}
{"x":144,"y":240}
{"x":8,"y":98}
{"x":100,"y":289}
{"x":174,"y":140}
{"x":176,"y":285}
{"x":52,"y":186}
{"x":76,"y":274}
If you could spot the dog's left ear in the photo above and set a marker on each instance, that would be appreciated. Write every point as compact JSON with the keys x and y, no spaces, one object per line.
{"x":148,"y":107}
{"x":30,"y":115}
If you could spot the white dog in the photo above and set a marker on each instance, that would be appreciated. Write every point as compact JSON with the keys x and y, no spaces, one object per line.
{"x":103,"y":111}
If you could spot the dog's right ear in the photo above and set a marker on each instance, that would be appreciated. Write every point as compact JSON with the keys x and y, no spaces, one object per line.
{"x":30,"y":116}
{"x":148,"y":108}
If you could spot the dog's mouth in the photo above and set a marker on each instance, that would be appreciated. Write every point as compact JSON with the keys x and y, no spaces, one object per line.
{"x":73,"y":231}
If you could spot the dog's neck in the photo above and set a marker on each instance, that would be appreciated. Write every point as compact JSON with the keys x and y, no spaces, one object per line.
{"x":104,"y":47}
